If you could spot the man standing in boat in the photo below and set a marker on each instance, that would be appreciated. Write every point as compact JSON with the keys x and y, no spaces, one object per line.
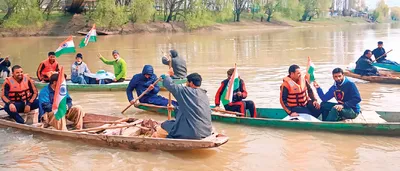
{"x":364,"y":65}
{"x":297,"y":96}
{"x":178,"y":64}
{"x":19,"y":94}
{"x":78,"y":70}
{"x":345,"y":93}
{"x":380,"y":55}
{"x":120,"y":69}
{"x":47,"y":67}
{"x":143,"y":81}
{"x":237,"y":104}
{"x":46,"y":100}
{"x":193,"y":116}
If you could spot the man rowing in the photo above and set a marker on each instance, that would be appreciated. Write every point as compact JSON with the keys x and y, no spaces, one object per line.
{"x":19,"y":94}
{"x":380,"y":55}
{"x":193,"y":116}
{"x":237,"y":103}
{"x":345,"y":93}
{"x":364,"y":65}
{"x":119,"y":64}
{"x":297,"y":95}
{"x":142,"y":81}
{"x":178,"y":64}
{"x":4,"y":67}
{"x":47,"y":67}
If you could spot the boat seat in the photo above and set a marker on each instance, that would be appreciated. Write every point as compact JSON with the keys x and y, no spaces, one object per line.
{"x":367,"y":117}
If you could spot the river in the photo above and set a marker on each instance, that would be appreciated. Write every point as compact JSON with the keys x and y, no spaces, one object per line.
{"x":262,"y":57}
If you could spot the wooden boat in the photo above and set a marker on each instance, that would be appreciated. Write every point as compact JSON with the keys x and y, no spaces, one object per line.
{"x":98,"y":87}
{"x":99,"y":32}
{"x":130,"y":142}
{"x":391,"y":67}
{"x":368,"y":123}
{"x":374,"y":79}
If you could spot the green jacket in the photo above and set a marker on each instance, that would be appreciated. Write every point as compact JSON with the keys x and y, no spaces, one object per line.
{"x":120,"y":69}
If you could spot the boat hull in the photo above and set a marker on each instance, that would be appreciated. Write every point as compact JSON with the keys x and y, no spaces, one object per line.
{"x":374,"y":79}
{"x":388,"y":66}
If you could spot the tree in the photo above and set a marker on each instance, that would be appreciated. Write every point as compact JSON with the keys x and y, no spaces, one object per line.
{"x":381,"y":12}
{"x":109,"y":15}
{"x":142,"y":10}
{"x":270,"y":7}
{"x":239,"y":6}
{"x":395,"y":15}
{"x":171,"y":9}
{"x":313,"y":8}
{"x":23,"y":13}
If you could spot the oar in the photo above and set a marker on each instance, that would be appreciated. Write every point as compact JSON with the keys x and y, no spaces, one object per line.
{"x":147,"y":90}
{"x":228,"y":112}
{"x":110,"y":127}
{"x":382,"y":55}
{"x":169,"y":94}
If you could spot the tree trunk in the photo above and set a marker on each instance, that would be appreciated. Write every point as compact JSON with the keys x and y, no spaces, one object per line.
{"x":304,"y":17}
{"x":269,"y":18}
{"x":237,"y":16}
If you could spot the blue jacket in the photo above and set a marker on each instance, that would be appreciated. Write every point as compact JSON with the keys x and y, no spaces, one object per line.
{"x":46,"y":98}
{"x":141,"y":83}
{"x":379,"y":52}
{"x":346,"y":94}
{"x":364,"y":67}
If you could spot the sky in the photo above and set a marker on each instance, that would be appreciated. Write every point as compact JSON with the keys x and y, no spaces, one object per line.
{"x":372,"y":3}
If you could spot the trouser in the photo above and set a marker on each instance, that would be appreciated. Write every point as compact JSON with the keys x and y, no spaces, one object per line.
{"x":107,"y":81}
{"x":331,"y":114}
{"x":20,"y":106}
{"x":5,"y":73}
{"x":158,"y":100}
{"x":75,"y":114}
{"x":385,"y":61}
{"x":79,"y":79}
{"x":308,"y":109}
{"x":46,"y":77}
{"x":242,"y":106}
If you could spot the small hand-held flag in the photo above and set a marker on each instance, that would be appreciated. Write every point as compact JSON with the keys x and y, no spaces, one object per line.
{"x":91,"y":36}
{"x":60,"y":96}
{"x":67,"y":46}
{"x":310,"y":70}
{"x":233,"y":84}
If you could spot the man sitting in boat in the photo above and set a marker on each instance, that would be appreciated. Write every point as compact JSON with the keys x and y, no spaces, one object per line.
{"x":380,"y":55}
{"x":193,"y":116}
{"x":364,"y":65}
{"x":4,"y":67}
{"x":19,"y":94}
{"x":297,"y":95}
{"x":119,"y":64}
{"x":178,"y":64}
{"x":46,"y":99}
{"x":141,"y":82}
{"x":78,"y":70}
{"x":47,"y":67}
{"x":237,"y":104}
{"x":345,"y":93}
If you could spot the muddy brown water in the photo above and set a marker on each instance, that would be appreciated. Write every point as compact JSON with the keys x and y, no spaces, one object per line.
{"x":262,"y":57}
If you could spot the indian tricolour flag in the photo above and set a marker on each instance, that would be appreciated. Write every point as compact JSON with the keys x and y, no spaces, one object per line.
{"x":310,"y":70}
{"x":66,"y":47}
{"x":233,"y":84}
{"x":60,"y":96}
{"x":90,"y":37}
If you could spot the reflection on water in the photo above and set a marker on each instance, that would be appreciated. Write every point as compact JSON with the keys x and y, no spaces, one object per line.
{"x":263,"y":59}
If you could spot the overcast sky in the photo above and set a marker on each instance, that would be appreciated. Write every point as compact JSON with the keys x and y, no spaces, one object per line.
{"x":372,"y":3}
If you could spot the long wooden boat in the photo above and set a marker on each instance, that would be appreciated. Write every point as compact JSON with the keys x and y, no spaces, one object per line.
{"x":368,"y":123}
{"x":374,"y":79}
{"x":129,"y":142}
{"x":391,"y":67}
{"x":99,"y":87}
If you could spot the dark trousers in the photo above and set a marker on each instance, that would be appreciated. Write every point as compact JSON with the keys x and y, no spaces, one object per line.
{"x":158,"y":100}
{"x":308,"y":109}
{"x":108,"y":81}
{"x":20,"y":109}
{"x":242,"y":106}
{"x":331,"y":114}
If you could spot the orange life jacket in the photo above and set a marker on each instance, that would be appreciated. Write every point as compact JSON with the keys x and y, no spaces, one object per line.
{"x":48,"y":67}
{"x":297,"y":93}
{"x":19,"y":91}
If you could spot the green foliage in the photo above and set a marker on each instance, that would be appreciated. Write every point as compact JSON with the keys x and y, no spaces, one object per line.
{"x":199,"y":17}
{"x":142,"y":10}
{"x":395,"y":15}
{"x":109,"y":15}
{"x":381,"y":12}
{"x":26,"y":14}
{"x":290,"y":9}
{"x":225,"y":14}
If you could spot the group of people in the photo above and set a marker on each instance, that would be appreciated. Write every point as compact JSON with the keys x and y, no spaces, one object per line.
{"x":364,"y":65}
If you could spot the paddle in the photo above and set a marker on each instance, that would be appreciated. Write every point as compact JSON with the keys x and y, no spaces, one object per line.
{"x":147,"y":90}
{"x":109,"y":127}
{"x":382,"y":55}
{"x":169,"y":94}
{"x":228,"y":112}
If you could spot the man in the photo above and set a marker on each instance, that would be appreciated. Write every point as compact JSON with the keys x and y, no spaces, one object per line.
{"x":141,"y":82}
{"x":78,"y":70}
{"x":297,"y":95}
{"x":178,"y":64}
{"x":345,"y":93}
{"x":4,"y":67}
{"x":193,"y":116}
{"x":46,"y":99}
{"x":119,"y":64}
{"x":364,"y":65}
{"x":237,"y":104}
{"x":47,"y":67}
{"x":380,"y":55}
{"x":19,"y":94}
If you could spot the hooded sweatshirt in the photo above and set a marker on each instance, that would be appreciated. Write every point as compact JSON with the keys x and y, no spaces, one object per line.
{"x":178,"y":65}
{"x":141,"y":83}
{"x":345,"y":94}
